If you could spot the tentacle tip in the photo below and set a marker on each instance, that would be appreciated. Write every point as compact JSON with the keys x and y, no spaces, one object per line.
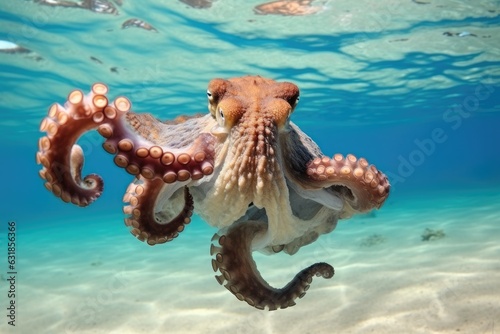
{"x":94,"y":182}
{"x":328,"y":274}
{"x":327,"y":271}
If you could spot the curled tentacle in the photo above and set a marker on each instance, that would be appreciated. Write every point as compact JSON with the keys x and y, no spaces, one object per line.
{"x":141,"y":196}
{"x":364,"y":187}
{"x":233,"y":258}
{"x":62,"y":160}
{"x":135,"y":151}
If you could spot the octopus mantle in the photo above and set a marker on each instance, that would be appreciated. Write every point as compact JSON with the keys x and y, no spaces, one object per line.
{"x":244,"y":167}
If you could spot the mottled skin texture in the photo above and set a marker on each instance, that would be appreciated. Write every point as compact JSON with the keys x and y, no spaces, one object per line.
{"x":245,"y":168}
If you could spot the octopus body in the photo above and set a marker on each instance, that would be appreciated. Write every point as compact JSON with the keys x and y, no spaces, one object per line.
{"x":244,"y":167}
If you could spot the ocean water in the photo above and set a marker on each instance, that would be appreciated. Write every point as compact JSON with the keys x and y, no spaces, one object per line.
{"x":412,"y":86}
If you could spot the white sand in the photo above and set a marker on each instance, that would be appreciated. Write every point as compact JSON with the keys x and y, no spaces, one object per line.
{"x":82,"y":277}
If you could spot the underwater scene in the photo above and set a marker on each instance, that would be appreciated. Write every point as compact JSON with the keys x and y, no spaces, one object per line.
{"x":216,"y":166}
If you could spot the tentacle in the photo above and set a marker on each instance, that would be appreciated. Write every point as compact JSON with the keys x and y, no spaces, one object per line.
{"x":132,"y":142}
{"x":234,"y":261}
{"x":146,"y":226}
{"x":362,"y":185}
{"x":62,"y":160}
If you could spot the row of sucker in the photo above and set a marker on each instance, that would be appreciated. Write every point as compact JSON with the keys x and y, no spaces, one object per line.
{"x":145,"y":226}
{"x":140,"y":157}
{"x":233,"y":259}
{"x":63,"y":160}
{"x":369,"y":185}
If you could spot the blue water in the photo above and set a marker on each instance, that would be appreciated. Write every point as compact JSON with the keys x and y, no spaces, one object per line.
{"x":378,"y":79}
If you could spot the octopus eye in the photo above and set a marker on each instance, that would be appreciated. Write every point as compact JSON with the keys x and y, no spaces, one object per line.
{"x":221,"y":114}
{"x":209,"y":95}
{"x":294,"y":100}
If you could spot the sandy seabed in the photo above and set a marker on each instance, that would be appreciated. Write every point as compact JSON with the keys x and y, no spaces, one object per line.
{"x":91,"y":276}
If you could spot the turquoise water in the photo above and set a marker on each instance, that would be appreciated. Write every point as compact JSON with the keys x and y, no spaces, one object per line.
{"x":413,"y":87}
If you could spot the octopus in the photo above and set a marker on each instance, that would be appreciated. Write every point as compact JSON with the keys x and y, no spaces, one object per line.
{"x":244,"y":167}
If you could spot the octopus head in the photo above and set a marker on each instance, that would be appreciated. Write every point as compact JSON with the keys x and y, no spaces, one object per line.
{"x":250,"y":113}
